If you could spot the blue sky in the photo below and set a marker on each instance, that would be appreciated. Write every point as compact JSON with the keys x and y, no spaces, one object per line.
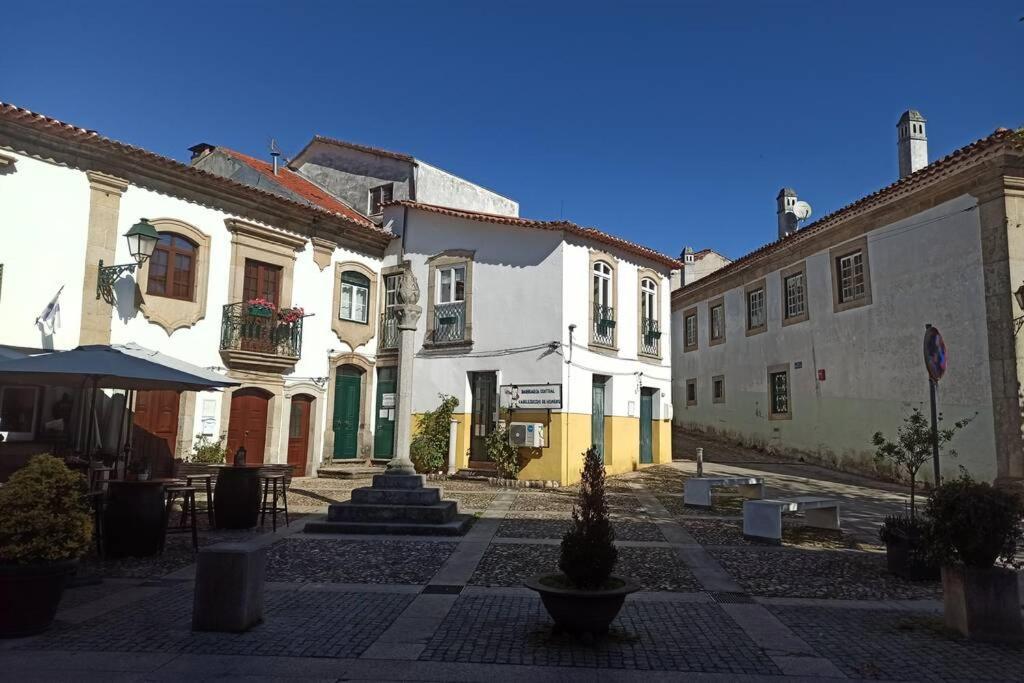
{"x":666,"y":123}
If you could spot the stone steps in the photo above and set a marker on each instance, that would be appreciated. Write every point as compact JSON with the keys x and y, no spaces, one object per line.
{"x":455,"y":527}
{"x":379,"y":496}
{"x":437,"y":513}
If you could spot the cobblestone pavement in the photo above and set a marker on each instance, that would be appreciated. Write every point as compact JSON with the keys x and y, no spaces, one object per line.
{"x":330,"y":561}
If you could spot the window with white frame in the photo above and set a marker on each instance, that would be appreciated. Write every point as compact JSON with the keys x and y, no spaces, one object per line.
{"x":850,"y":273}
{"x":355,"y":297}
{"x":380,"y":195}
{"x":648,"y":299}
{"x":602,"y":284}
{"x":451,"y":284}
{"x":796,"y":295}
{"x":755,"y":309}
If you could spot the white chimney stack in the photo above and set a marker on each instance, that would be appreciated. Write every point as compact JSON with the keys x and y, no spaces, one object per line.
{"x":912,"y":142}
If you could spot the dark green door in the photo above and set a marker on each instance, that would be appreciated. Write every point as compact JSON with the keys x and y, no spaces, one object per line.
{"x":646,"y":425}
{"x":597,"y":416}
{"x":346,"y":412}
{"x":387,"y":406}
{"x":485,"y":405}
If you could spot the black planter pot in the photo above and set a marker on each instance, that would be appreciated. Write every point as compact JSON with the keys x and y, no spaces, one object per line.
{"x":133,"y":521}
{"x":904,"y":557}
{"x":581,"y":611}
{"x":29,"y":595}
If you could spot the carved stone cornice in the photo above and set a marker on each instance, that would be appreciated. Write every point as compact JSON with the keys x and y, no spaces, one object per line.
{"x":322,"y":251}
{"x":265,"y":234}
{"x":106,"y":183}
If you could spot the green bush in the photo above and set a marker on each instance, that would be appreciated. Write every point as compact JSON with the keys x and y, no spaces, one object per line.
{"x":502,"y":453}
{"x":43,"y":513}
{"x":974,"y":523}
{"x":208,"y":452}
{"x":588,"y":552}
{"x":429,"y":448}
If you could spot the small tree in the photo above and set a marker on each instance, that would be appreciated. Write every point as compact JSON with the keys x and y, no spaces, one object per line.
{"x":913,"y":446}
{"x":588,"y":552}
{"x":207,"y":451}
{"x":429,"y":448}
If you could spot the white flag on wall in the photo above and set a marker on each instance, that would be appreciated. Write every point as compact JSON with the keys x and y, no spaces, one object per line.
{"x":49,"y":319}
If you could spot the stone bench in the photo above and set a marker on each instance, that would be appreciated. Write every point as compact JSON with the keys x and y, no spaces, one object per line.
{"x":229,"y":587}
{"x":697,"y":490}
{"x":762,"y":519}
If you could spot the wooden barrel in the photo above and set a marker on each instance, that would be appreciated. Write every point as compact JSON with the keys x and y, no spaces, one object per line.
{"x":237,"y":496}
{"x":133,"y":521}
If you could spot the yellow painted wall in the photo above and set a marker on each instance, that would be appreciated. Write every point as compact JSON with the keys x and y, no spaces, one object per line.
{"x":621,"y":443}
{"x":661,"y":445}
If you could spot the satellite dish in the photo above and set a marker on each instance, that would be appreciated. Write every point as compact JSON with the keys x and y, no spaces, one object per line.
{"x":802,"y":210}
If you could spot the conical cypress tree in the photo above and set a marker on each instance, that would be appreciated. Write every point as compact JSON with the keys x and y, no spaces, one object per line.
{"x":588,"y":551}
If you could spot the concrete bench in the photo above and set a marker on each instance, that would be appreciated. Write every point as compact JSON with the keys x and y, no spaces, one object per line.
{"x":697,"y":490}
{"x":762,"y":519}
{"x":229,"y":587}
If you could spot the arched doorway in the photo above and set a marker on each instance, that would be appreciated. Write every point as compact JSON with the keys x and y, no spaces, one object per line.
{"x":247,"y":424}
{"x":347,"y":398}
{"x":300,"y":414}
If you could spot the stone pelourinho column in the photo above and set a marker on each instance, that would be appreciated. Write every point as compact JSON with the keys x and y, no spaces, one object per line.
{"x":408,"y":313}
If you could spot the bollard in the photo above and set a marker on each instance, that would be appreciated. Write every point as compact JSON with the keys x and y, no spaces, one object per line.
{"x":229,"y":587}
{"x":700,"y":462}
{"x":453,"y":430}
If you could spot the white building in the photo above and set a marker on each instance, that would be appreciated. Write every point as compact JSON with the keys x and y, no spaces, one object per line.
{"x":811,"y":343}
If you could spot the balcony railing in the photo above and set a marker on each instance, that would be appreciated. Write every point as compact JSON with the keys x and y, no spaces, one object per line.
{"x":245,"y":328}
{"x":449,"y":323}
{"x":388,"y":331}
{"x":650,"y":336}
{"x":604,"y":325}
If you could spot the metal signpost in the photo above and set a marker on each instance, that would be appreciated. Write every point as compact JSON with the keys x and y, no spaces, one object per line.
{"x":935,"y":362}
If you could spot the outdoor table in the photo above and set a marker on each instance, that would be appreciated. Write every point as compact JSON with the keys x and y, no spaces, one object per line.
{"x":133,"y":517}
{"x":236,"y":497}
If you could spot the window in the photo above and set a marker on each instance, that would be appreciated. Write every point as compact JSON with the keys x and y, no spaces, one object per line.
{"x":650,"y":331}
{"x":718,"y":389}
{"x":648,"y":299}
{"x":379,"y":196}
{"x":355,"y":297}
{"x":690,"y":331}
{"x":389,"y":320}
{"x":778,"y":393}
{"x":691,"y":392}
{"x":602,"y":284}
{"x":451,"y":284}
{"x":716,"y":324}
{"x":755,"y":309}
{"x":262,"y":280}
{"x":851,"y":275}
{"x":850,"y":271}
{"x":603,"y":301}
{"x":172,"y":268}
{"x":796,"y":297}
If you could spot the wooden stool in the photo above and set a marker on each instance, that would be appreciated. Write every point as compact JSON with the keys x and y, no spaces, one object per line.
{"x":273,"y":486}
{"x":207,"y":479}
{"x":96,"y":500}
{"x":188,"y":511}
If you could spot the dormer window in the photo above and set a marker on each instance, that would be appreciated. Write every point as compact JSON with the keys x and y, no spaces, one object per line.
{"x":380,"y":195}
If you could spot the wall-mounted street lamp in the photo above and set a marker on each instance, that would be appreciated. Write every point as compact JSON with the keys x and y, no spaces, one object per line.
{"x":1018,"y":322}
{"x":142,"y":239}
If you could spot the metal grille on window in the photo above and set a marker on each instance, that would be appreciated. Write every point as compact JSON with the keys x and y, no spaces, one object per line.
{"x":604,"y":315}
{"x":450,"y":308}
{"x":851,"y":277}
{"x":780,"y":392}
{"x":796,"y":298}
{"x":755,"y":309}
{"x":389,"y":318}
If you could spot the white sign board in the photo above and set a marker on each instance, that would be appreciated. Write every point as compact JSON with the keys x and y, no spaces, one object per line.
{"x":531,"y":396}
{"x":387,"y":400}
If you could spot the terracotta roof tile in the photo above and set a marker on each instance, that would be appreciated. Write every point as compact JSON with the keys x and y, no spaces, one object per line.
{"x":300,"y":185}
{"x":567,"y":226}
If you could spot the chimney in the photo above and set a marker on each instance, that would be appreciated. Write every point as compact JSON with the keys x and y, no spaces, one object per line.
{"x":199,"y":151}
{"x":785,"y":203}
{"x":274,"y":153}
{"x":912,"y":142}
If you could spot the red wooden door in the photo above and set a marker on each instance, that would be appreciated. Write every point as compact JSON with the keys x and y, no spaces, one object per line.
{"x":298,"y":434}
{"x":248,"y":424}
{"x":155,"y":431}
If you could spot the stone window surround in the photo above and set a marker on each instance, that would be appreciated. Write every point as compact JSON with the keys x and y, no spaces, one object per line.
{"x":691,"y":313}
{"x":446,"y":259}
{"x":352,"y":332}
{"x":715,"y":341}
{"x":789,"y":272}
{"x":252,"y":241}
{"x":316,"y":430}
{"x":845,"y":249}
{"x":692,"y":382}
{"x":773,"y":369}
{"x":364,"y":439}
{"x":385,"y":273}
{"x":753,"y":287}
{"x":646,"y":274}
{"x":718,"y":399}
{"x":613,"y":263}
{"x":170,"y":313}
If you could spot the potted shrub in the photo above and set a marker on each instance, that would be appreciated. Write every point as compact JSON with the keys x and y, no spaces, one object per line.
{"x":586,"y":597}
{"x":974,"y":525}
{"x":905,"y":536}
{"x":45,"y":527}
{"x":429,"y":447}
{"x":502,"y":452}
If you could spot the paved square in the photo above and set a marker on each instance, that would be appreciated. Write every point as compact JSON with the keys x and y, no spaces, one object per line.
{"x":336,"y":561}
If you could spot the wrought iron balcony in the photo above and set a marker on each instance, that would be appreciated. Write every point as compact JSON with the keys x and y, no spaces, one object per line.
{"x":254,"y":337}
{"x":388,"y":338}
{"x":449,"y":323}
{"x":604,"y":325}
{"x":650,"y":336}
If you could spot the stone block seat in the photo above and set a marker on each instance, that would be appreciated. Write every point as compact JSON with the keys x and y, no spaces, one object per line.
{"x":697,"y":490}
{"x":762,"y":519}
{"x":395,"y":504}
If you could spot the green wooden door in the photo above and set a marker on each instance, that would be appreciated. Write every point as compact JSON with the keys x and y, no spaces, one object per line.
{"x":346,"y":413}
{"x":646,"y":426}
{"x":387,"y":406}
{"x":597,"y":416}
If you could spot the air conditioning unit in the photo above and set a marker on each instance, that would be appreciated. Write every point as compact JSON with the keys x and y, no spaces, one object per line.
{"x":526,"y":434}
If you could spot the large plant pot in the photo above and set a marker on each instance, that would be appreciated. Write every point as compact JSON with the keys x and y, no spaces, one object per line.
{"x":904,"y":558}
{"x":29,"y":595}
{"x":983,"y":604}
{"x":581,"y":611}
{"x":133,"y":521}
